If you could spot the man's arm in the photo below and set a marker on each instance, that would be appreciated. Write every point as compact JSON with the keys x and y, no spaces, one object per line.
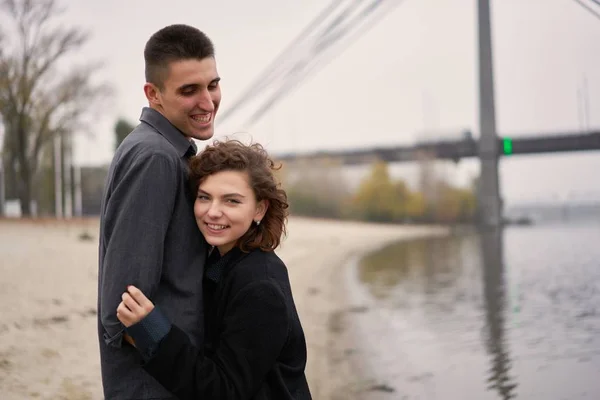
{"x":137,"y":217}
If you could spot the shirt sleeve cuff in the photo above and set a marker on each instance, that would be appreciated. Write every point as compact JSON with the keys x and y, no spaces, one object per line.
{"x":149,"y":332}
{"x":115,"y":340}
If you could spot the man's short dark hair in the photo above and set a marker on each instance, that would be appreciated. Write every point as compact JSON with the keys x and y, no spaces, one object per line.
{"x":174,"y":43}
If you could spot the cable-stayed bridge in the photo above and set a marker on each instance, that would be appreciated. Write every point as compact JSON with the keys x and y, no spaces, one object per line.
{"x":343,"y":21}
{"x":466,"y":147}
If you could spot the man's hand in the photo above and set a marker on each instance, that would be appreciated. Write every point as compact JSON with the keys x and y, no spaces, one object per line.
{"x":133,"y":307}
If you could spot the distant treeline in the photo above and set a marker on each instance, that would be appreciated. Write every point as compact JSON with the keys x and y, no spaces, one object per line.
{"x":316,"y":190}
{"x":319,"y":191}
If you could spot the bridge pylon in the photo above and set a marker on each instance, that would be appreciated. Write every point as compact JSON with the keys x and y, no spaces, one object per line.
{"x":489,"y":200}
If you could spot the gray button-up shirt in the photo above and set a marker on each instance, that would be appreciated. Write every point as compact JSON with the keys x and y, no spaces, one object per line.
{"x":148,"y":238}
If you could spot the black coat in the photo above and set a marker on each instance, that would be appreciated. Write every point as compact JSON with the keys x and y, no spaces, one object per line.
{"x":255,"y":346}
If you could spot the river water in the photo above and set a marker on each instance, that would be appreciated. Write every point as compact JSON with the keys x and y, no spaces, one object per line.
{"x":502,"y":315}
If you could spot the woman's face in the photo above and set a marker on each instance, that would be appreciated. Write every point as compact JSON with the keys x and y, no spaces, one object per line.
{"x":225,"y":208}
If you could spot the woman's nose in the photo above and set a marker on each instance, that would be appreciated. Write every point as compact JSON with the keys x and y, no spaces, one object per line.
{"x":214,"y":210}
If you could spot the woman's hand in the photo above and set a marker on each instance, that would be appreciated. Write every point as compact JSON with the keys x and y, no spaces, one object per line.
{"x":133,"y":307}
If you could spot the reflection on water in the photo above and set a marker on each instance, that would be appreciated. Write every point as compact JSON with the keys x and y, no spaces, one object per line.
{"x":495,"y":296}
{"x":420,"y":265}
{"x":498,"y":315}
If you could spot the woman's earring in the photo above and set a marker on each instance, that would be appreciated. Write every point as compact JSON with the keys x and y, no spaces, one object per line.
{"x":257,"y":222}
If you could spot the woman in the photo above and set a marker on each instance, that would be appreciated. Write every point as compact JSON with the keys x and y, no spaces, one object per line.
{"x":254,"y":345}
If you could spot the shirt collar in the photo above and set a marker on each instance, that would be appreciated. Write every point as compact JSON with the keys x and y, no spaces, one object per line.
{"x":183,"y":145}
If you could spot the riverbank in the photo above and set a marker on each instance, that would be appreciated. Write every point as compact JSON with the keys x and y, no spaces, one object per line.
{"x":48,"y":345}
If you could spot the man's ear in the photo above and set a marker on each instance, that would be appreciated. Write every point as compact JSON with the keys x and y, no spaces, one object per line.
{"x":152,"y":94}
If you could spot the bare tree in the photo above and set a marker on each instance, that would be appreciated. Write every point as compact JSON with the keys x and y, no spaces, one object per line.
{"x":41,"y":95}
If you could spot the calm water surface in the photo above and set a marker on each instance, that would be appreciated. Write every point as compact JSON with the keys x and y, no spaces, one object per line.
{"x":506,"y":315}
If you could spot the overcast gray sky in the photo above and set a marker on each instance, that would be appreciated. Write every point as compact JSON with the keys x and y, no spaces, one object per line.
{"x":414,"y":72}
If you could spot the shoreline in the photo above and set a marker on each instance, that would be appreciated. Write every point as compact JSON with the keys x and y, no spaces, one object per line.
{"x":48,"y":340}
{"x":327,"y":310}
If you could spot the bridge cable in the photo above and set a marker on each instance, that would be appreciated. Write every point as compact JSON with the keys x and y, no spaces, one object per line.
{"x":588,"y":8}
{"x":304,"y":69}
{"x":323,"y":40}
{"x":272,"y":69}
{"x":277,"y":77}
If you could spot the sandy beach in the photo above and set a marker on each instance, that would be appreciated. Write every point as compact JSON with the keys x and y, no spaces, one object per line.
{"x":48,"y":341}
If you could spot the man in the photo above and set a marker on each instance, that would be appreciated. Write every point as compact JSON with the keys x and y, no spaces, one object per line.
{"x":148,"y":234}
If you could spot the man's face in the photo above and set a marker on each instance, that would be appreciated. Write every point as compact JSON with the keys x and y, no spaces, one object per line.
{"x":190,"y":96}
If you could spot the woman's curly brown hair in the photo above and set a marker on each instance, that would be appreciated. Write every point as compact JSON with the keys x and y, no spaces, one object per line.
{"x":233,"y":155}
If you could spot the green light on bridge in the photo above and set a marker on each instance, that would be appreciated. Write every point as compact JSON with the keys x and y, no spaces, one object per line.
{"x":507,"y":146}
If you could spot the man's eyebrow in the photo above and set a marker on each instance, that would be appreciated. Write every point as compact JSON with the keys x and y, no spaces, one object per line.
{"x":188,"y":86}
{"x":196,"y":85}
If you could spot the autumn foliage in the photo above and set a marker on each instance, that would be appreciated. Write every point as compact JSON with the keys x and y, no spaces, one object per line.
{"x":319,"y":192}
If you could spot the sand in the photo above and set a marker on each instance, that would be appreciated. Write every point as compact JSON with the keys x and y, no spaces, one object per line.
{"x":48,"y":271}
